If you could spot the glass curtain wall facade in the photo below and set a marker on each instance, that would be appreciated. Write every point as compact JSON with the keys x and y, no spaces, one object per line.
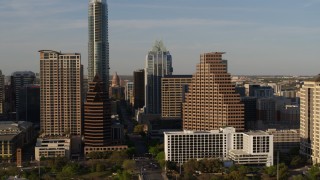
{"x":98,"y":46}
{"x":158,"y":64}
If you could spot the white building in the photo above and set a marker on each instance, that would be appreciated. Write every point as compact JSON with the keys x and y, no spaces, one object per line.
{"x":55,"y":147}
{"x":227,"y":144}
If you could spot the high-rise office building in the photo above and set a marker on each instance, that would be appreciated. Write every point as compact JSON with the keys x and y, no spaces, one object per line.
{"x":138,"y":89}
{"x":97,"y":118}
{"x":211,"y":102}
{"x":18,"y":80}
{"x":2,"y":92}
{"x":98,"y":46}
{"x":310,"y":119}
{"x":266,"y":110}
{"x":250,"y":112}
{"x":158,"y":64}
{"x":60,"y":95}
{"x":173,"y":90}
{"x":129,"y":93}
{"x":9,"y":108}
{"x":29,"y":104}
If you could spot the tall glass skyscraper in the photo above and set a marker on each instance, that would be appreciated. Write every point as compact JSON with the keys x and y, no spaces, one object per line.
{"x":158,"y":64}
{"x":98,"y":46}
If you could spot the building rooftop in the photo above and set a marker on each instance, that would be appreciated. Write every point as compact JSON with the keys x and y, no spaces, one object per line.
{"x":23,"y":73}
{"x":10,"y":127}
{"x":177,"y":76}
{"x":7,"y":137}
{"x":256,"y":133}
{"x":51,"y":51}
{"x":239,"y":152}
{"x":316,"y":78}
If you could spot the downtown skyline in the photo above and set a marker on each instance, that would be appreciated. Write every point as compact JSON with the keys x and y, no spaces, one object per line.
{"x":260,"y":38}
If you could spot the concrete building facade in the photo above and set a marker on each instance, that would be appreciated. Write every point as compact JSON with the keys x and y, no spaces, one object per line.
{"x":60,"y":95}
{"x":173,"y":89}
{"x":310,"y":119}
{"x":252,"y":148}
{"x":14,"y":135}
{"x":211,"y":102}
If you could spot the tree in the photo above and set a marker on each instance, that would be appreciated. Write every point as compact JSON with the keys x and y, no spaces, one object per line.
{"x":298,"y":177}
{"x":313,"y":173}
{"x":123,"y":175}
{"x":297,"y":161}
{"x":139,"y":129}
{"x":271,"y":171}
{"x":117,"y":157}
{"x":131,"y":151}
{"x":100,"y":167}
{"x":161,"y":159}
{"x":283,"y":171}
{"x":171,"y":165}
{"x":190,"y":166}
{"x":129,"y":165}
{"x":235,"y":175}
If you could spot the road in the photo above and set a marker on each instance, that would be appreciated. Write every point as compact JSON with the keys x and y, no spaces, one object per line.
{"x":149,"y":168}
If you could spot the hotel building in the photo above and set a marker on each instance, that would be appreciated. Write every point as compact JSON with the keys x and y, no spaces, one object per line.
{"x":252,"y":148}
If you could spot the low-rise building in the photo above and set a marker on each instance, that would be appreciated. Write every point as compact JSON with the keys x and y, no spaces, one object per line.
{"x":253,"y":148}
{"x":14,"y":135}
{"x":53,"y":147}
{"x":285,"y":139}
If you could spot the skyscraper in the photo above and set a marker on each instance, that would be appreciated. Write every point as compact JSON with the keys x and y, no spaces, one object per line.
{"x":1,"y":93}
{"x":211,"y":102}
{"x":97,"y":118}
{"x":98,"y":46}
{"x":158,"y":64}
{"x":18,"y":80}
{"x":29,"y":104}
{"x":60,"y":94}
{"x":173,"y":89}
{"x":138,"y":89}
{"x":310,"y":119}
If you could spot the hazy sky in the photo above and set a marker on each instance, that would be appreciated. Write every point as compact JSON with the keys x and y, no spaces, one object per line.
{"x":259,"y":36}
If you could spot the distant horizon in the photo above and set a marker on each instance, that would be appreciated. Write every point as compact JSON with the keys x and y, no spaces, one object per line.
{"x":6,"y":75}
{"x":259,"y":37}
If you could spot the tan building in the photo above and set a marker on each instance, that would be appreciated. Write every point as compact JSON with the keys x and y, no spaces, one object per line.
{"x":211,"y":102}
{"x":310,"y":119}
{"x":60,"y":96}
{"x":19,"y":157}
{"x":285,"y":139}
{"x":173,"y":89}
{"x":53,"y":147}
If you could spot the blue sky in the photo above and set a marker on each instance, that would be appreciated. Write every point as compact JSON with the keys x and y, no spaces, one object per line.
{"x":259,"y":37}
